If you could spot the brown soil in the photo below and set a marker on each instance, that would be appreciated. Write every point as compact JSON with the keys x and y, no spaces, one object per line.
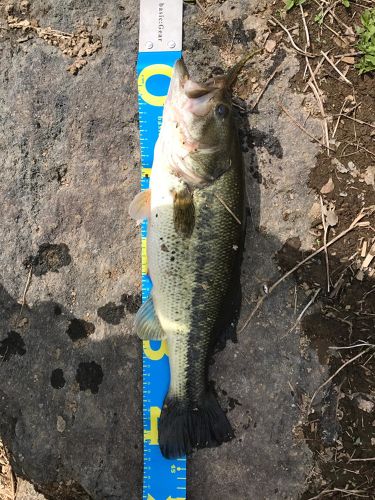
{"x":340,"y":428}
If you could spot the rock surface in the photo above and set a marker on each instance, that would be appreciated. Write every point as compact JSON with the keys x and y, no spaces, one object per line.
{"x":70,"y":386}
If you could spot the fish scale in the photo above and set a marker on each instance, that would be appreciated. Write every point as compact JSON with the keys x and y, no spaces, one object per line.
{"x":189,"y":279}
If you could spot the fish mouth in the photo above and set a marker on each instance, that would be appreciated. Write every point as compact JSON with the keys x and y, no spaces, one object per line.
{"x":194,"y":90}
{"x":187,"y":96}
{"x":194,"y":97}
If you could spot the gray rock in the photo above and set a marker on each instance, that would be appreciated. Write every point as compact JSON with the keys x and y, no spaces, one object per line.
{"x":70,"y":386}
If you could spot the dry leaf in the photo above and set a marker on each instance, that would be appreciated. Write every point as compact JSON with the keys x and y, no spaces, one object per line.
{"x":348,"y":60}
{"x":331,"y":216}
{"x":314,"y":212}
{"x":369,"y":257}
{"x":369,"y":176}
{"x":365,"y":405}
{"x":349,"y":31}
{"x":364,"y":249}
{"x":354,"y":172}
{"x":340,"y":42}
{"x":350,"y":103}
{"x":270,"y":46}
{"x":328,"y":187}
{"x":339,"y":166}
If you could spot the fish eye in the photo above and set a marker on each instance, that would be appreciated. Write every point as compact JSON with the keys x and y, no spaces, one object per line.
{"x":221,"y":111}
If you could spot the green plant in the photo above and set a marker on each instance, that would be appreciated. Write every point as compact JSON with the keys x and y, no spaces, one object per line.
{"x":289,"y":4}
{"x":366,"y":42}
{"x":319,"y":18}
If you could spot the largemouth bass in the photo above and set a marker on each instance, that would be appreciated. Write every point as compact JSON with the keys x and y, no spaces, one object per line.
{"x":196,"y":219}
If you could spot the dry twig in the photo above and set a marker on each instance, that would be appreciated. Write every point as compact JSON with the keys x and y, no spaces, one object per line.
{"x":310,"y":303}
{"x":362,"y":459}
{"x":297,"y":123}
{"x":334,"y":375}
{"x":325,"y":231}
{"x":319,"y":99}
{"x":229,"y":210}
{"x":305,"y":26}
{"x":315,"y":72}
{"x":363,"y":213}
{"x":260,"y":95}
{"x":28,"y":281}
{"x":339,"y":117}
{"x":358,"y":121}
{"x":356,"y":493}
{"x":354,"y":346}
{"x":324,"y":54}
{"x":295,"y":46}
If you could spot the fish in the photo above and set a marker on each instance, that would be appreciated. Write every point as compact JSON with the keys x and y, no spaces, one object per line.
{"x":196,"y":225}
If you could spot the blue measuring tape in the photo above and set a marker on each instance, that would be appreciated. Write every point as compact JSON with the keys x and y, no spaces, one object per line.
{"x":160,"y":44}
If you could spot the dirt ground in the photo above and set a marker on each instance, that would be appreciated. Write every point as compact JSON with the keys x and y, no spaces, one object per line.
{"x":341,"y":428}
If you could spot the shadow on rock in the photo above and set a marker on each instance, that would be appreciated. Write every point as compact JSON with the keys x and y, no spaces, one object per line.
{"x":70,"y":406}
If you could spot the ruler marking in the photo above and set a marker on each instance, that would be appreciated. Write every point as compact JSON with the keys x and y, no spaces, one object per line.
{"x":160,"y":481}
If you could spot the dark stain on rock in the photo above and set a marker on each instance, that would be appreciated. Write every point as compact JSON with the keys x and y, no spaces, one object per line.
{"x":233,"y":402}
{"x":277,"y":58}
{"x":12,"y":345}
{"x":233,"y":33}
{"x":89,"y":376}
{"x":289,"y":253}
{"x":49,"y":258}
{"x":197,"y":45}
{"x":241,"y":35}
{"x":59,"y":174}
{"x":79,"y":329}
{"x":57,"y":310}
{"x":268,"y":141}
{"x":111,"y":313}
{"x":132,"y":302}
{"x":57,"y":378}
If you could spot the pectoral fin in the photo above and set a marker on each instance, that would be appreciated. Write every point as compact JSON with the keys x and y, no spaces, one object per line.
{"x":184,"y":212}
{"x":147,"y":325}
{"x":140,"y":207}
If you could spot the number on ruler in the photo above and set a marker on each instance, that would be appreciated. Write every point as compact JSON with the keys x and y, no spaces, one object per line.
{"x":155,"y":354}
{"x":152,"y":434}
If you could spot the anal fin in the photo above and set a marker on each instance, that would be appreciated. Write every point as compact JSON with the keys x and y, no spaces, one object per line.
{"x":147,"y":324}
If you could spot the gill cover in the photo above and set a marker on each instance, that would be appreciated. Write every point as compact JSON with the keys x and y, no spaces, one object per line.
{"x":200,"y":123}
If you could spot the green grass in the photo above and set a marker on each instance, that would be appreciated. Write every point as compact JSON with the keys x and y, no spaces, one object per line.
{"x":289,"y":4}
{"x":366,"y":42}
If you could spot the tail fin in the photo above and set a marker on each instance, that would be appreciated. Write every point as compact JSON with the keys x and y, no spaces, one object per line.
{"x":183,"y":428}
